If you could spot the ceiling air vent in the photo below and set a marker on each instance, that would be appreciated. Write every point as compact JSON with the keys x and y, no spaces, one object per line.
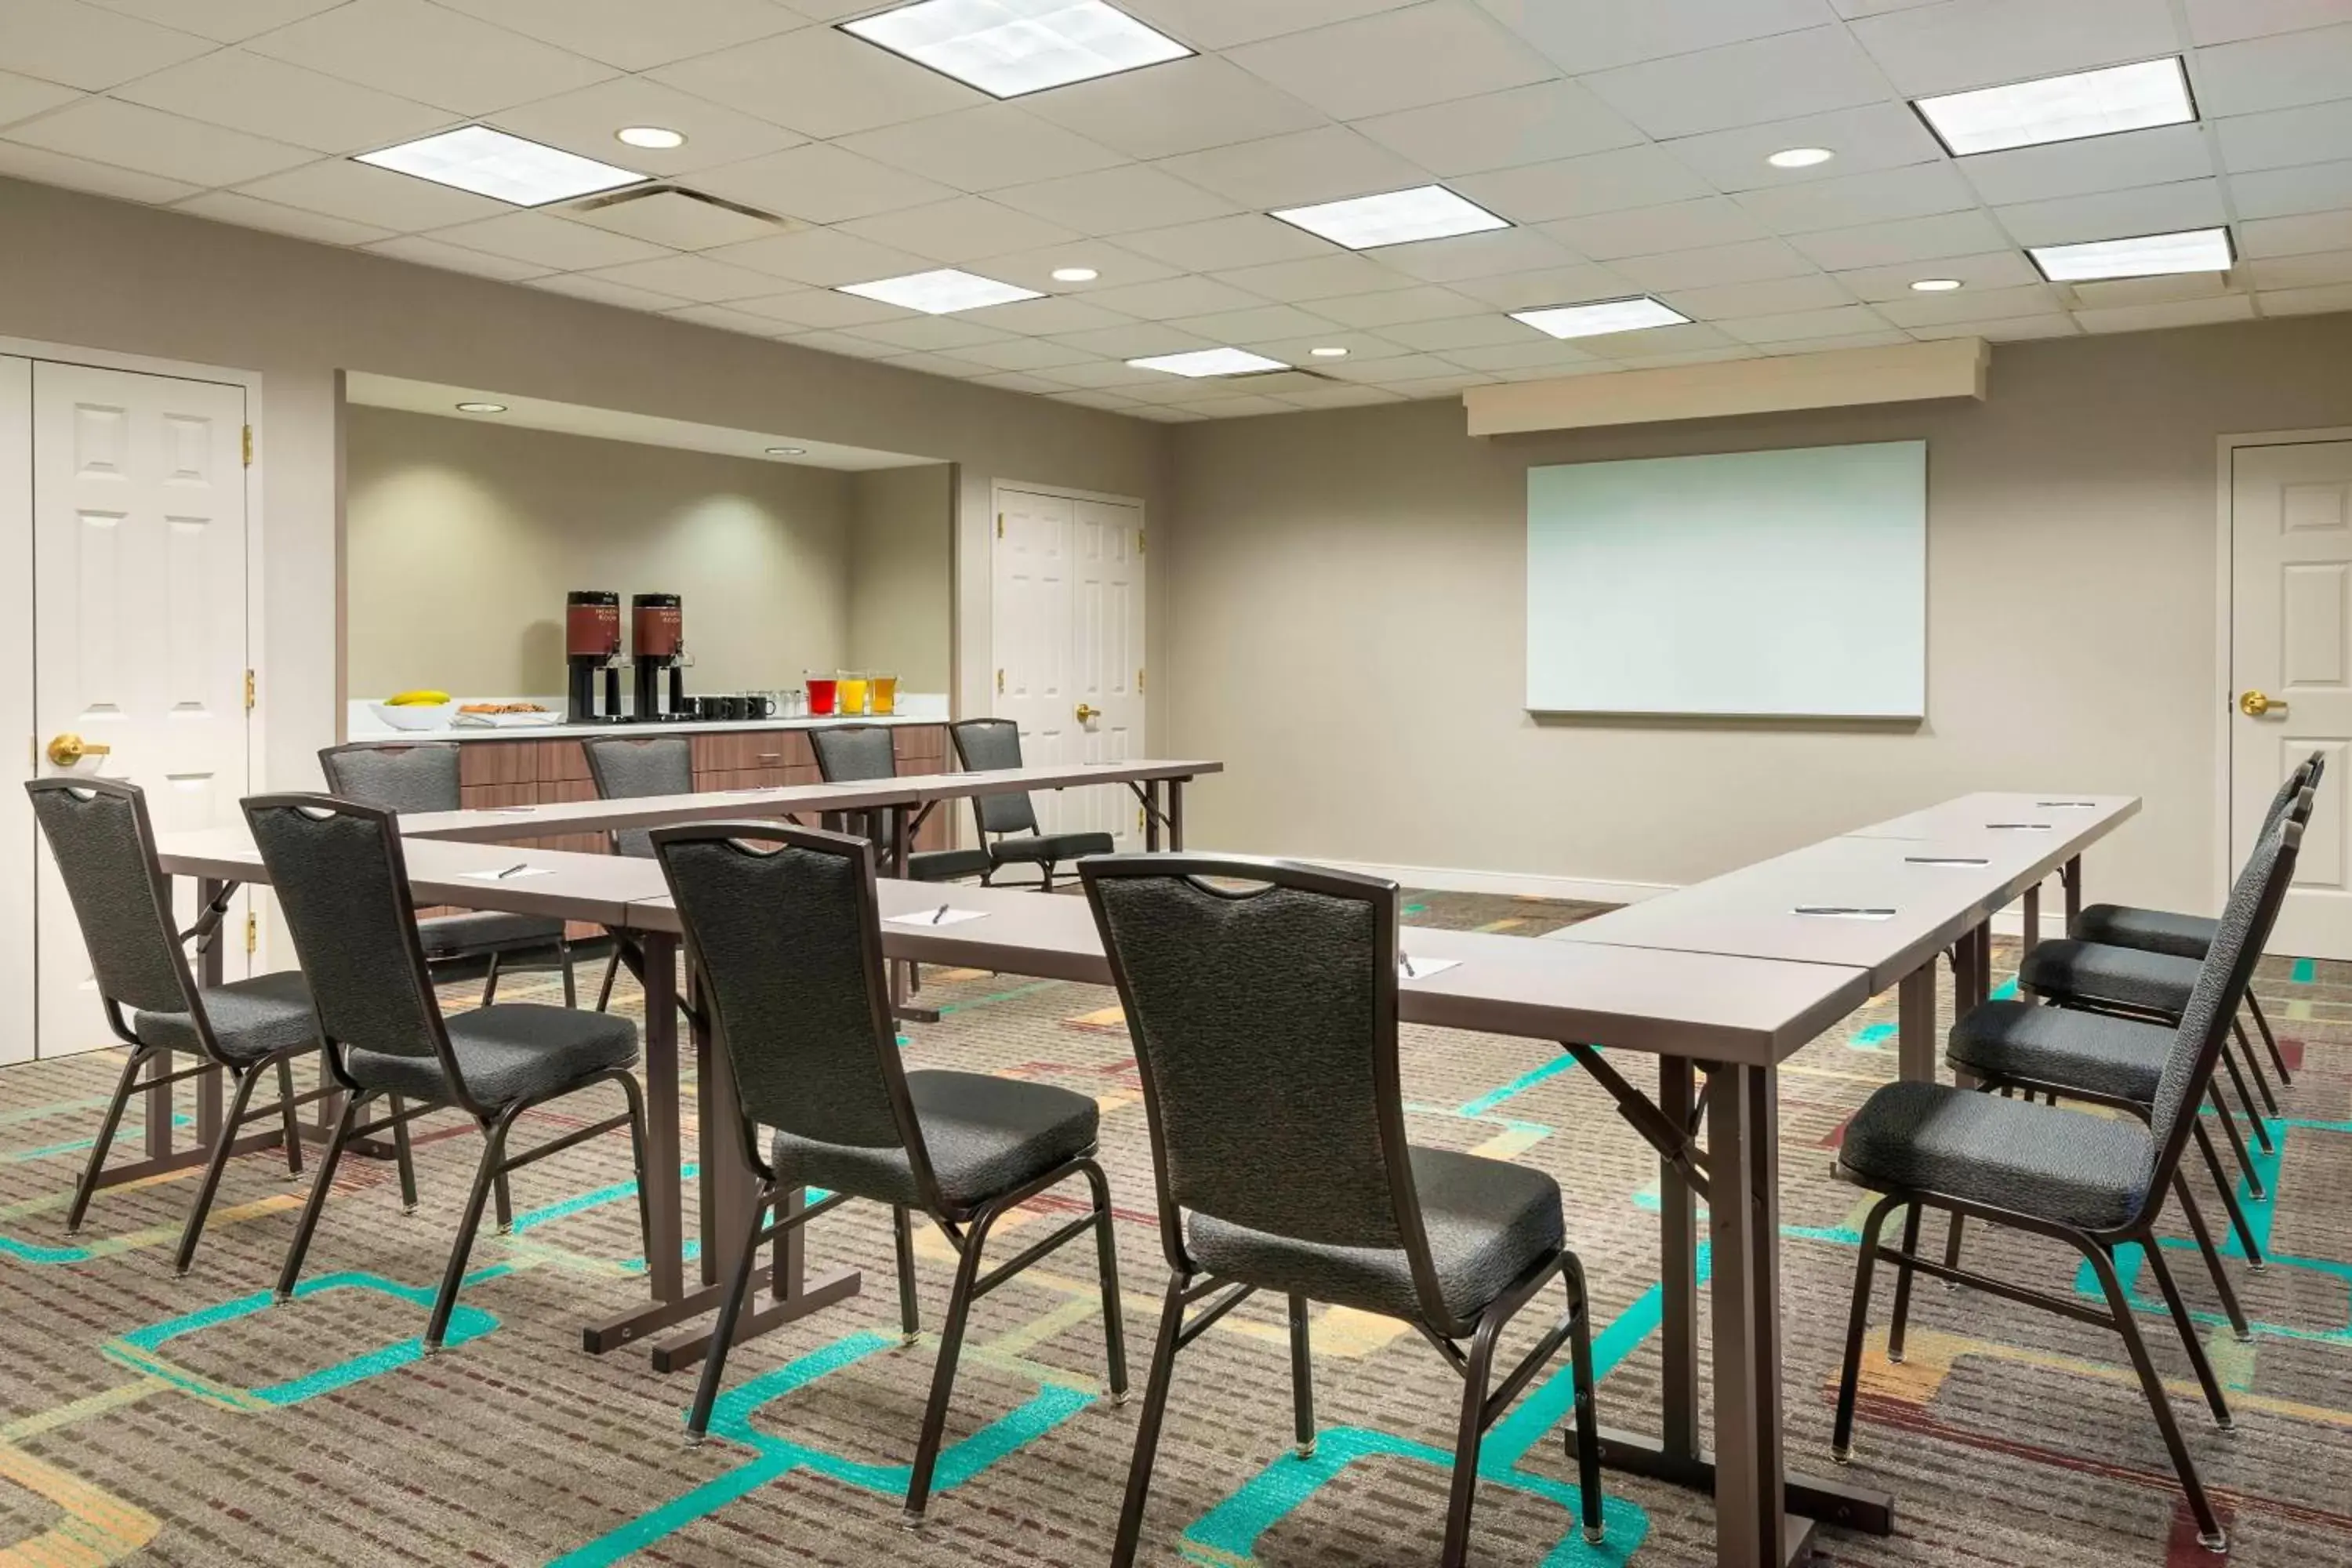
{"x":677,"y":217}
{"x":2163,"y":291}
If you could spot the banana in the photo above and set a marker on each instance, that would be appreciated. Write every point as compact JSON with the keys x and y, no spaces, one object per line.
{"x":418,"y":698}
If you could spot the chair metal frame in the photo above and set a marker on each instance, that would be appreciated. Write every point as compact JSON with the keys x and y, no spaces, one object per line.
{"x":978,"y":811}
{"x":1189,"y":1285}
{"x":966,"y":1228}
{"x":495,"y":1120}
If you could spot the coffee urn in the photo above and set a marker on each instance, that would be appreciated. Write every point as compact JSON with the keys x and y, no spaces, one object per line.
{"x":591,"y":642}
{"x":658,"y":633}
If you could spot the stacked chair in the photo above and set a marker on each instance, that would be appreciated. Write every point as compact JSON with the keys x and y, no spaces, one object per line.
{"x":1008,"y":823}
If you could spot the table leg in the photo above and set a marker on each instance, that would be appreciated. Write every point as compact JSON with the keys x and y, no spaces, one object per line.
{"x":211,"y":970}
{"x":1152,"y":816}
{"x":1176,"y":813}
{"x":2032,"y":918}
{"x":2071,"y":874}
{"x":1751,"y":1518}
{"x":654,"y":958}
{"x":1915,"y":1043}
{"x":1678,"y":1272}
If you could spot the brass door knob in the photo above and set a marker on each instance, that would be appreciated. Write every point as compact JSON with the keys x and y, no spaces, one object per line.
{"x":1087,"y":715}
{"x":68,"y":749}
{"x":2256,"y":704}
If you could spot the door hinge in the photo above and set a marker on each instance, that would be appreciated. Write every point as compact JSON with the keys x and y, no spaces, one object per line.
{"x":252,"y":931}
{"x":248,"y":691}
{"x":248,"y":445}
{"x":999,"y":525}
{"x":1000,"y":683}
{"x":1139,"y":683}
{"x":1139,"y":819}
{"x":1139,"y":541}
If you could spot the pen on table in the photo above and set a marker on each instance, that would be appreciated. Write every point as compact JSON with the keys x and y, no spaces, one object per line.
{"x":1409,"y":974}
{"x":939,"y":914}
{"x":518,"y":866}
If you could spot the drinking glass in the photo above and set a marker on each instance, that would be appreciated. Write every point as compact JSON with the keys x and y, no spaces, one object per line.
{"x":883,"y":691}
{"x":849,"y":693}
{"x":820,"y":695}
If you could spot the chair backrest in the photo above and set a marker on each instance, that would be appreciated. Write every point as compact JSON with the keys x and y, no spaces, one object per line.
{"x":626,"y":769}
{"x":991,"y":745}
{"x":2222,"y":982}
{"x":1263,"y":1019}
{"x":341,"y":880}
{"x":104,"y":848}
{"x":855,"y":752}
{"x":2294,"y":794}
{"x":418,"y":777}
{"x":783,"y":927}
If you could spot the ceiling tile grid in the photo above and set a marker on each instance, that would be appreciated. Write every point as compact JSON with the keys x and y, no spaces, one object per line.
{"x":1626,"y":147}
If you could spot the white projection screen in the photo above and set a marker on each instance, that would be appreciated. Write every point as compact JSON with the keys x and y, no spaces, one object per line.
{"x":1768,"y":585}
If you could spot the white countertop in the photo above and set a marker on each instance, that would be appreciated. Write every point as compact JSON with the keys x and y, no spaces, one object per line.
{"x":363,"y":724}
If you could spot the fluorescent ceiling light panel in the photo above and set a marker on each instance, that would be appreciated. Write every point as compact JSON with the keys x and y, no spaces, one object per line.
{"x":1601,"y":317}
{"x":2144,"y":256}
{"x":1210,"y":362}
{"x":492,"y":163}
{"x":941,"y":293}
{"x":1008,"y":47}
{"x":2062,"y":108}
{"x":1394,"y":217}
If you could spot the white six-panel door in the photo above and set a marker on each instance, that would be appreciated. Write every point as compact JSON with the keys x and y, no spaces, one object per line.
{"x":17,"y":862}
{"x":139,"y":572}
{"x":2290,"y":657}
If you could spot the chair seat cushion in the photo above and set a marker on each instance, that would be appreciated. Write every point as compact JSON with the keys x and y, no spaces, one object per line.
{"x":485,"y":931}
{"x":2062,"y":1047}
{"x":2091,"y":973}
{"x":2150,"y":931}
{"x":1488,"y":1221}
{"x":946,"y":865}
{"x":514,"y":1051}
{"x":1052,"y":848}
{"x":2067,"y":1167}
{"x":250,"y":1019}
{"x":985,"y":1135}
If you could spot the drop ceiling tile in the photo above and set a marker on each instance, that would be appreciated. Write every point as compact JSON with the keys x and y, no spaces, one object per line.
{"x":2004,"y":330}
{"x":2276,"y":73}
{"x":2324,"y":266}
{"x":2298,"y":235}
{"x":22,"y":97}
{"x":983,"y":149}
{"x":223,"y":21}
{"x":695,"y":279}
{"x":1641,"y":176}
{"x":2114,"y":215}
{"x":1116,"y":200}
{"x":584,"y":123}
{"x":1139,"y":342}
{"x":1463,"y":332}
{"x":1873,"y":136}
{"x":128,"y":136}
{"x":2315,"y":134}
{"x":2006,"y":268}
{"x":2227,"y":21}
{"x":632,"y":34}
{"x":1296,"y":170}
{"x":821,"y":309}
{"x":1321,"y":278}
{"x":1392,"y":369}
{"x":1538,"y":125}
{"x":1692,"y":356}
{"x":819,"y":182}
{"x":602,"y":291}
{"x":2165,"y":155}
{"x":1971,"y":305}
{"x":928,"y":334}
{"x":958,"y":229}
{"x":1548,"y":286}
{"x":1647,"y":231}
{"x":1119,"y":267}
{"x":48,"y":168}
{"x":551,"y":241}
{"x":82,"y":45}
{"x":2306,"y":301}
{"x":842,"y":344}
{"x":1767,"y":297}
{"x":1338,"y":396}
{"x":1013,"y":381}
{"x":228,"y":206}
{"x":1262,"y":323}
{"x":427,"y":252}
{"x":359,"y":193}
{"x":819,"y":82}
{"x":1979,"y":43}
{"x":1363,"y":347}
{"x":1025,"y":354}
{"x":929,"y":363}
{"x":2274,"y":193}
{"x":1706,"y":268}
{"x":429,"y":54}
{"x":727,"y":318}
{"x":1397,"y":60}
{"x":1111,"y":401}
{"x":1585,"y":36}
{"x":1919,"y":190}
{"x":1435,"y":387}
{"x":1487,"y":255}
{"x":1888,"y":338}
{"x":1844,"y":320}
{"x":1098,"y":373}
{"x":1654,"y":342}
{"x":1172,"y":297}
{"x":1249,"y":239}
{"x":822,"y":258}
{"x":263,"y":97}
{"x":1238,"y":406}
{"x":673,"y":220}
{"x":1183,"y":106}
{"x":1779,"y":78}
{"x":1530,"y":351}
{"x":2181,"y":314}
{"x":1890,"y":244}
{"x":1384,"y":310}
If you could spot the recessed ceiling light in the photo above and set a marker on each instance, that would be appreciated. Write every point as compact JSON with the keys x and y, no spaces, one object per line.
{"x":656,"y":136}
{"x":482,"y":408}
{"x":1007,"y":47}
{"x":1799,"y":157}
{"x":492,"y":163}
{"x":788,"y":451}
{"x":1598,"y":318}
{"x":2142,"y":256}
{"x":1210,"y":362}
{"x":1936,"y":285}
{"x":1333,"y":352}
{"x":2060,"y":108}
{"x":941,"y":293}
{"x":1394,"y":217}
{"x":1074,"y":274}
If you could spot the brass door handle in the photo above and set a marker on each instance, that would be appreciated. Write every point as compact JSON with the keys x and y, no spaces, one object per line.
{"x":2256,"y":704}
{"x":68,"y":749}
{"x":1087,"y":715}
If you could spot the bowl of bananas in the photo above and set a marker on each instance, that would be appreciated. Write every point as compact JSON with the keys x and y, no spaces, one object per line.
{"x":421,"y":709}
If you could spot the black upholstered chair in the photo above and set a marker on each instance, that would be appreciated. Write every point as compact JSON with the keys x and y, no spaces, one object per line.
{"x":2095,"y":1183}
{"x":1008,"y":823}
{"x":856,"y":752}
{"x":1245,"y":1005}
{"x":341,"y":880}
{"x":623,"y":768}
{"x":780,"y":924}
{"x":421,"y":778}
{"x":104,"y":847}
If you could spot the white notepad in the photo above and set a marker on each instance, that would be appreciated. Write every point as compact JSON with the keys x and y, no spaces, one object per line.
{"x":514,"y":875}
{"x":1423,"y":968}
{"x":928,"y":918}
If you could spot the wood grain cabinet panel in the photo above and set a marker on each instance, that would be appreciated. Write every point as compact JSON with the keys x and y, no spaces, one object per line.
{"x":485,"y":762}
{"x":561,"y":762}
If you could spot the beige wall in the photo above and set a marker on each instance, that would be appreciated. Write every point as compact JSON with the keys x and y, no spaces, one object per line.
{"x":901,"y":580}
{"x":1348,"y":591}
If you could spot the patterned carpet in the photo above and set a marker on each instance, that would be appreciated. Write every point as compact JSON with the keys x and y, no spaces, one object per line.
{"x":152,"y":1420}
